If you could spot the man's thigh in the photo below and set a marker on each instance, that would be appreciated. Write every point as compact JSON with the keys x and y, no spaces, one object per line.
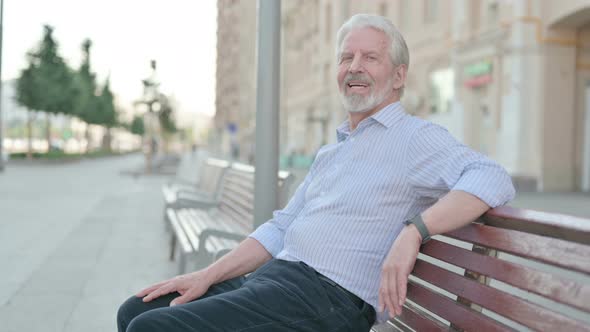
{"x":280,"y":296}
{"x":134,"y":306}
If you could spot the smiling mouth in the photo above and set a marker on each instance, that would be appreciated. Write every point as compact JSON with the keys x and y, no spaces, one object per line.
{"x":357,"y":85}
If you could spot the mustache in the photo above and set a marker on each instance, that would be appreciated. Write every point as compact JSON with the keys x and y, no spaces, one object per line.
{"x":359,"y":78}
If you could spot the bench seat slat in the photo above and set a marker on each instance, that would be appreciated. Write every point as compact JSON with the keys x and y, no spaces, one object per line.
{"x":554,"y":287}
{"x":452,"y":311}
{"x":179,"y":232}
{"x":419,"y":320}
{"x":184,"y":222}
{"x":556,"y":252}
{"x":509,"y":306}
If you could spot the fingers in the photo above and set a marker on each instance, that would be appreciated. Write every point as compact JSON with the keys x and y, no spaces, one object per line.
{"x":387,"y":293}
{"x":402,"y":287}
{"x":190,"y":295}
{"x":150,"y":289}
{"x":392,"y":293}
{"x":394,"y":309}
{"x":163,"y":290}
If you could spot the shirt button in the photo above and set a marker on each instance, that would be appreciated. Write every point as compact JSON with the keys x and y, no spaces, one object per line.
{"x":352,"y":139}
{"x":322,"y":193}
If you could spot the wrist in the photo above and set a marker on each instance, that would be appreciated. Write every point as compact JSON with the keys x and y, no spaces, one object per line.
{"x":211,"y":275}
{"x":412,"y":231}
{"x":417,"y":224}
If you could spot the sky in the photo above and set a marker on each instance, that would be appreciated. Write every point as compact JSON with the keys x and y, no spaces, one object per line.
{"x":179,"y":34}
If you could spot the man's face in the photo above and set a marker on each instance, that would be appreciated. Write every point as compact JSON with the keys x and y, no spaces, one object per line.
{"x":366,"y":76}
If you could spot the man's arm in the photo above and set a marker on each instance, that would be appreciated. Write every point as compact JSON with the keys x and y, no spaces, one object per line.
{"x":462,"y":184}
{"x":245,"y":258}
{"x":454,"y":210}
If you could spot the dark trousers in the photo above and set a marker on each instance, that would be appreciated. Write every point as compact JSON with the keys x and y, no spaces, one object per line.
{"x":279,"y":296}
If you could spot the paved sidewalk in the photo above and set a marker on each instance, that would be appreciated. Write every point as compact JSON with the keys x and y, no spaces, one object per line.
{"x":77,"y":239}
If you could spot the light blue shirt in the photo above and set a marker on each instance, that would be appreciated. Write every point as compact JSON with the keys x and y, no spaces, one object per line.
{"x":346,"y":214}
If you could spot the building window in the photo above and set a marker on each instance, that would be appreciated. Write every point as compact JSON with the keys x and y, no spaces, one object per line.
{"x":430,"y":11}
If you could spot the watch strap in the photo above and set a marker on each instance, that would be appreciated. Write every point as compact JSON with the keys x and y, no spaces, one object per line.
{"x":419,"y":223}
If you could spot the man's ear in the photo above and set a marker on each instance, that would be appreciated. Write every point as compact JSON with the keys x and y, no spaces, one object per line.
{"x":399,"y":76}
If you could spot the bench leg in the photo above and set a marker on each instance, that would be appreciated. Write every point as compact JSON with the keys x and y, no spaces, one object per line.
{"x":166,"y":222}
{"x":172,"y":246}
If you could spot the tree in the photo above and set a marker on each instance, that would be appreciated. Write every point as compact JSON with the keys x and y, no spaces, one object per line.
{"x":27,"y":95}
{"x":165,"y":115}
{"x":137,"y":126}
{"x":46,"y":84}
{"x":87,"y":102}
{"x":107,"y":113}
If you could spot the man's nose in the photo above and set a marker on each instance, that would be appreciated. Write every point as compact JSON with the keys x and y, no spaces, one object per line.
{"x":356,"y":65}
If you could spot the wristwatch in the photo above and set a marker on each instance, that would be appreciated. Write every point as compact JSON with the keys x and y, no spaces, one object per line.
{"x":419,"y":223}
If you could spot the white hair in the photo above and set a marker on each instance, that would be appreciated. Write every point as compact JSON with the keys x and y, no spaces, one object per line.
{"x":398,"y":50}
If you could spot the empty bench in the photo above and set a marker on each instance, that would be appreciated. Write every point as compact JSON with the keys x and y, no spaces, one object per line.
{"x":202,"y":235}
{"x":178,"y":194}
{"x":514,"y":269}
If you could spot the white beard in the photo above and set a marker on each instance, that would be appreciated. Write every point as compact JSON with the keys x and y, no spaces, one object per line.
{"x":355,"y":103}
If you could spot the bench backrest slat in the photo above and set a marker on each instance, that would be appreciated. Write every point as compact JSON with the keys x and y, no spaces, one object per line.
{"x":557,"y":252}
{"x":212,"y":175}
{"x":553,"y":225}
{"x":509,"y":306}
{"x":237,"y":193}
{"x":555,"y":287}
{"x":508,"y":273}
{"x":452,"y":311}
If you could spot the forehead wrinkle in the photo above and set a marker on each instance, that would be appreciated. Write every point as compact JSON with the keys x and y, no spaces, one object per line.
{"x":382,"y":43}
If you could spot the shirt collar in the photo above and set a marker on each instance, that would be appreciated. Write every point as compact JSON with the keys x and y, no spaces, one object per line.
{"x":387,"y":117}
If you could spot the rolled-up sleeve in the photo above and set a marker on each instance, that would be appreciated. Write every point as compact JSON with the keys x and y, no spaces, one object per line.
{"x":271,"y":234}
{"x":438,"y":163}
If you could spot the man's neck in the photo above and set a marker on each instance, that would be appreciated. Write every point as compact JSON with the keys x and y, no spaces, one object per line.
{"x":356,"y":117}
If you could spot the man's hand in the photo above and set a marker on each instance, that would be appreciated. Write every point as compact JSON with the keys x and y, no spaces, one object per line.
{"x":190,"y":286}
{"x":396,"y":268}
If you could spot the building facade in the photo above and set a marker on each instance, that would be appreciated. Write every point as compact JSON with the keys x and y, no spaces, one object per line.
{"x":235,"y":102}
{"x":508,"y":78}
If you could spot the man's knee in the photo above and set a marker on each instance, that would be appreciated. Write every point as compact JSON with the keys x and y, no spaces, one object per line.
{"x":146,"y":322}
{"x":130,"y":309}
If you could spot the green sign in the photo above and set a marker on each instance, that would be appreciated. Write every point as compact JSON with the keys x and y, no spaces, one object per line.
{"x":478,"y":68}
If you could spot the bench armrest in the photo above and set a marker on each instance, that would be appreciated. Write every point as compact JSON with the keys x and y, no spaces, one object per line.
{"x":193,"y":204}
{"x":218,"y":233}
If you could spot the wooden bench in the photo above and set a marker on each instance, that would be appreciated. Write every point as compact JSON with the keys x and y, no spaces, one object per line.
{"x":206,"y":190}
{"x":514,"y":269}
{"x":203,"y":235}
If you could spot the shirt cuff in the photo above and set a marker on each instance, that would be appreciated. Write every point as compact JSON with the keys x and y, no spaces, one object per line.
{"x":270,"y":237}
{"x":494,"y":188}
